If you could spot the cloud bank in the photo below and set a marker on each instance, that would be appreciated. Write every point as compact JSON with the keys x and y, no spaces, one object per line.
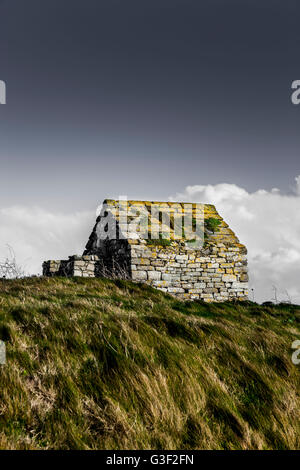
{"x":36,"y":235}
{"x":268,"y":223}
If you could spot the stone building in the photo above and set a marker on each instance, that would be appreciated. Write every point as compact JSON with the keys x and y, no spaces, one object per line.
{"x":184,"y":249}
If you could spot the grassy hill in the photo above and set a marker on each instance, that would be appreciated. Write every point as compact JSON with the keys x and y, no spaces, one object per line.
{"x":100,"y":364}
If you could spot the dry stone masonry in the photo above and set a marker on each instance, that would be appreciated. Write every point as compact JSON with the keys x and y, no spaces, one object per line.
{"x":216,"y":271}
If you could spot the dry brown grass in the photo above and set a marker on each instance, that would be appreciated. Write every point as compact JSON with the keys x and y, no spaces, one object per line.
{"x":103,"y":364}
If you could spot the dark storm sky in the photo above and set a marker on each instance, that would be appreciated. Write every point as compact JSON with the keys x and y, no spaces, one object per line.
{"x":145,"y":97}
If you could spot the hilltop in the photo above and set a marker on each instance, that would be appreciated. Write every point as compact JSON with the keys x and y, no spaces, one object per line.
{"x":102,"y":364}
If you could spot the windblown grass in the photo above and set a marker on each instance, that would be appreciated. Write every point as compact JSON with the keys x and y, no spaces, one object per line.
{"x":100,"y":364}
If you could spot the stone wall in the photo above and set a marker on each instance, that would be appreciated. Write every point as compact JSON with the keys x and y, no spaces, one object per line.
{"x":216,"y":272}
{"x":83,"y":266}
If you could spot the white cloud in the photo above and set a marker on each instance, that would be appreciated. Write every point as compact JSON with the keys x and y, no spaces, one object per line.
{"x":268,"y":223}
{"x":37,"y":235}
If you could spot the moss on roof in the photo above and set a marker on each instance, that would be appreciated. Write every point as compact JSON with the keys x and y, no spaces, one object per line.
{"x":223,"y":235}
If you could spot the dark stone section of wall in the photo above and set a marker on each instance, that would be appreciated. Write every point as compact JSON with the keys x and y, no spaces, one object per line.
{"x":114,"y":259}
{"x":63,"y":268}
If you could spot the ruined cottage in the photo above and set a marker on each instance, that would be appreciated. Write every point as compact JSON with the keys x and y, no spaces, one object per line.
{"x":184,"y":249}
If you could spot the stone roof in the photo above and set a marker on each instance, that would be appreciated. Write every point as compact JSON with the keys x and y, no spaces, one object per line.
{"x":223,"y":233}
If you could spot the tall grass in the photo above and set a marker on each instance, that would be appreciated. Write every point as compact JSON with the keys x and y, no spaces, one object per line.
{"x":102,"y":364}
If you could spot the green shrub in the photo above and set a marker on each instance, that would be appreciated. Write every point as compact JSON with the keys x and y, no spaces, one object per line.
{"x":212,"y":224}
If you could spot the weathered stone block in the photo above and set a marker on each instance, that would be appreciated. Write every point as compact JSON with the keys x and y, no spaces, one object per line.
{"x":154,"y":276}
{"x":139,"y":275}
{"x":228,"y":278}
{"x":175,"y":290}
{"x":200,"y":285}
{"x":181,"y":257}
